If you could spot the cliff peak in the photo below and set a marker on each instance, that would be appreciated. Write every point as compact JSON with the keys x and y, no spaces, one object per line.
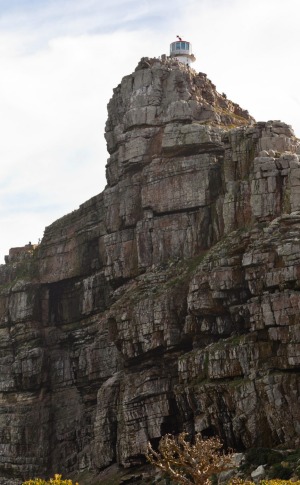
{"x":159,"y":93}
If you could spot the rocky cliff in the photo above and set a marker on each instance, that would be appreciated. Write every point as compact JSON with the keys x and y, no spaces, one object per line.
{"x":170,"y":301}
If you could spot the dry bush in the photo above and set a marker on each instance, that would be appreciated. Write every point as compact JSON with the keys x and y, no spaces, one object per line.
{"x":190,"y":463}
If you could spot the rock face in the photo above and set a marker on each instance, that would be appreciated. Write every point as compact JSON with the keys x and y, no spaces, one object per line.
{"x":170,"y":301}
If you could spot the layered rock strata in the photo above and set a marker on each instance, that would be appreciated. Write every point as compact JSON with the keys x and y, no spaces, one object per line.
{"x":170,"y":301}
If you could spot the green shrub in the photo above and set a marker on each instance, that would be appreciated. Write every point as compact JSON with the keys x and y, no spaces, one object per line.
{"x":281,"y":472}
{"x":262,"y":456}
{"x":293,"y":457}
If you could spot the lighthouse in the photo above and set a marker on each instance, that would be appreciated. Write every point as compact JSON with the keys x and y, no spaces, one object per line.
{"x":182,"y":50}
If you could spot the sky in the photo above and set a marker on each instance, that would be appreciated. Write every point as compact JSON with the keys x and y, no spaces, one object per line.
{"x":61,"y":59}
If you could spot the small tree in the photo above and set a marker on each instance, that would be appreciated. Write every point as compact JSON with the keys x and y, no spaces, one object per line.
{"x":187,"y":463}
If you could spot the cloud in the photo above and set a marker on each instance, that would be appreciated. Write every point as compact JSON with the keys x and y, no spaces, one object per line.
{"x":44,"y":20}
{"x":53,"y":112}
{"x":249,"y":49}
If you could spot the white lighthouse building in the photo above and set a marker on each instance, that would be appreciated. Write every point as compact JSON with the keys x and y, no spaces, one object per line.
{"x":182,"y":50}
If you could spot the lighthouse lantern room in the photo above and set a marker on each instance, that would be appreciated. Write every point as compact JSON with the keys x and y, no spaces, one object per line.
{"x":182,"y":50}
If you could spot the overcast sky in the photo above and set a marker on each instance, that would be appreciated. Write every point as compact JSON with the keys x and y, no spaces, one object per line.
{"x":60,"y":60}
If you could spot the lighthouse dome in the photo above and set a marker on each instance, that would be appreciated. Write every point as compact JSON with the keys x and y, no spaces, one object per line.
{"x":182,"y":50}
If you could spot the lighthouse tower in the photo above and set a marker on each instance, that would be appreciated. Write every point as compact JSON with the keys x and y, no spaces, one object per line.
{"x":182,"y":50}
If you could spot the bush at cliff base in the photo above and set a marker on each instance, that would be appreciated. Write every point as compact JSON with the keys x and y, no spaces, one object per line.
{"x":56,"y":480}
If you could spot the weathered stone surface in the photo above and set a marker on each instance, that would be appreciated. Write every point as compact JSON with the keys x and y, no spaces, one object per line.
{"x":170,"y":301}
{"x":258,"y":473}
